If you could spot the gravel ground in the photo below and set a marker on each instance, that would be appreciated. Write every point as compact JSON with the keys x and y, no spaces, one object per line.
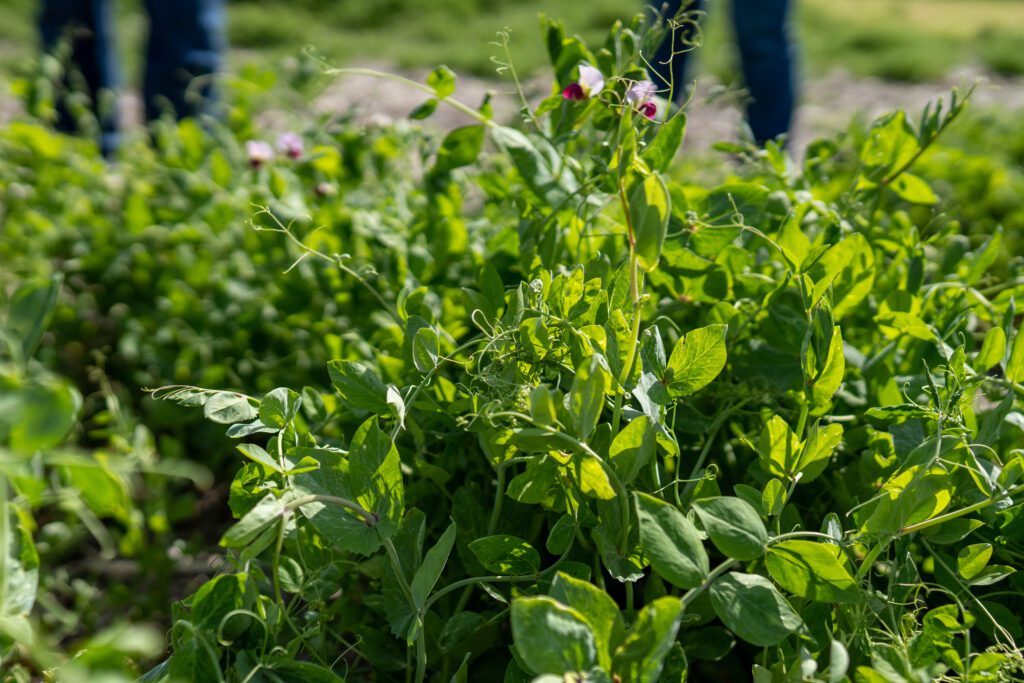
{"x":826,"y":103}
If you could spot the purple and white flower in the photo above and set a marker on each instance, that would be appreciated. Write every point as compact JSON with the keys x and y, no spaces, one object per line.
{"x":641,"y":95}
{"x":290,"y":144}
{"x":590,"y":84}
{"x":260,"y":153}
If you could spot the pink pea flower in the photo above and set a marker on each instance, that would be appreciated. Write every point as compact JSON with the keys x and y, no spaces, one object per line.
{"x":260,"y":153}
{"x":590,"y":84}
{"x":640,"y":95}
{"x":290,"y":144}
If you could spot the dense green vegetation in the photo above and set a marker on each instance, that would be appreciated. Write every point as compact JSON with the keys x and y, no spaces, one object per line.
{"x":535,"y":403}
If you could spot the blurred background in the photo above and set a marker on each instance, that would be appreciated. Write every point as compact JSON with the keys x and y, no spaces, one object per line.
{"x":906,"y":40}
{"x":863,"y":56}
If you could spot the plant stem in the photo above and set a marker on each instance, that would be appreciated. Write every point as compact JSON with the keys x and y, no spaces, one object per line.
{"x":369,"y":518}
{"x":629,"y":602}
{"x":692,"y":594}
{"x":426,"y":89}
{"x":934,"y":521}
{"x":801,"y":424}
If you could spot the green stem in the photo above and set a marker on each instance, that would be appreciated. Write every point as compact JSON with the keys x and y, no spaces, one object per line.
{"x":799,"y":534}
{"x":421,"y":657}
{"x":620,"y":489}
{"x":426,"y":89}
{"x":492,"y":524}
{"x":629,"y":602}
{"x":801,"y":424}
{"x":499,"y":495}
{"x":712,"y":433}
{"x":934,"y":521}
{"x":506,"y":578}
{"x":634,"y":293}
{"x":275,"y":569}
{"x":692,"y":594}
{"x":369,"y":518}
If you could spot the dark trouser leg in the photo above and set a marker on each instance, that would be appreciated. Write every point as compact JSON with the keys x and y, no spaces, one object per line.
{"x":767,"y":59}
{"x":88,"y":26}
{"x":669,"y":64}
{"x":185,"y":45}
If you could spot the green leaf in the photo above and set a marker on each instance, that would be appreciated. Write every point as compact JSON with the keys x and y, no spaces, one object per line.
{"x":290,"y":671}
{"x":733,"y":525}
{"x":660,"y":153}
{"x":1015,"y":363}
{"x":817,"y":450}
{"x":19,"y":566}
{"x":459,"y":148}
{"x":697,"y":359}
{"x":31,"y":309}
{"x":551,"y":638}
{"x":972,"y":560}
{"x":992,"y":350}
{"x":459,"y":628}
{"x":504,"y":554}
{"x":586,"y":398}
{"x":640,"y":658}
{"x":827,"y":382}
{"x":751,"y":607}
{"x":216,"y":598}
{"x":433,"y":564}
{"x":425,"y":349}
{"x":592,"y":477}
{"x":257,"y":454}
{"x":913,"y":189}
{"x":838,"y":662}
{"x":812,"y":570}
{"x":359,"y":386}
{"x":772,"y":498}
{"x":371,"y":476}
{"x":649,"y":210}
{"x":778,"y":448}
{"x":424,"y":110}
{"x":442,"y":80}
{"x":597,"y":607}
{"x":39,"y":414}
{"x":279,"y":407}
{"x":226,"y":407}
{"x":265,"y":513}
{"x":632,"y":448}
{"x":890,"y":145}
{"x":671,"y":543}
{"x":539,"y":165}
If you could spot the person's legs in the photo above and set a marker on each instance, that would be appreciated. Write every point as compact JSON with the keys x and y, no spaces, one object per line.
{"x":668,"y":68}
{"x":185,"y":43}
{"x":88,"y":26}
{"x":762,"y":33}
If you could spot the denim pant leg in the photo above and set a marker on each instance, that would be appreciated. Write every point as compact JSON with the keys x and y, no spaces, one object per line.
{"x":762,"y":34}
{"x":669,"y":63}
{"x":89,"y":26}
{"x":186,"y":40}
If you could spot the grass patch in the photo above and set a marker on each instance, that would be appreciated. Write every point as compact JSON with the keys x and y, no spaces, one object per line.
{"x":908,"y":40}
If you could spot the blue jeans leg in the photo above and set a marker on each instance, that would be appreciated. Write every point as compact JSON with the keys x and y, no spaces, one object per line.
{"x":88,"y":26}
{"x":766,"y":52}
{"x":186,"y":41}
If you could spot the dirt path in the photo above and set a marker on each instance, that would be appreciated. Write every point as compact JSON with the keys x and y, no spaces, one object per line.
{"x":827,"y":102}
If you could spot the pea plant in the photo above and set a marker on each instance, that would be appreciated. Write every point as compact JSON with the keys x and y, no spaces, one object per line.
{"x":604,"y":423}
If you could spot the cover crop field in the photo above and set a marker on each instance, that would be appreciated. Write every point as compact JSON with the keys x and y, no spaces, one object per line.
{"x":532,"y":402}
